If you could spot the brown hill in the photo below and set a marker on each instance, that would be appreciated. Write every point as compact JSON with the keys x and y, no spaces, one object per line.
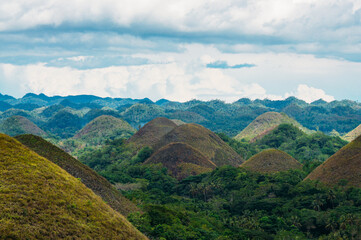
{"x":152,"y":132}
{"x":205,"y":141}
{"x":344,"y":164}
{"x":353,"y":134}
{"x":88,"y":176}
{"x":17,"y":125}
{"x":270,"y":161}
{"x":181,"y":160}
{"x":40,"y":200}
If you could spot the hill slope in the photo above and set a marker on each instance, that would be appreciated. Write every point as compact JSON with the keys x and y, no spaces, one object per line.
{"x":17,"y":125}
{"x":40,"y":200}
{"x":89,"y":177}
{"x":105,"y":127}
{"x":181,"y":160}
{"x":264,"y":124}
{"x":270,"y":161}
{"x":205,"y":141}
{"x":353,"y":134}
{"x":153,"y":131}
{"x":344,"y":164}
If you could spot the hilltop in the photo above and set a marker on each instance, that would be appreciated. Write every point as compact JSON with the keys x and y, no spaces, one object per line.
{"x":181,"y":160}
{"x":204,"y":140}
{"x":40,"y":200}
{"x":264,"y":124}
{"x":270,"y":161}
{"x":88,"y":177}
{"x":17,"y":125}
{"x":153,"y":131}
{"x":350,"y":136}
{"x":343,"y":165}
{"x":105,"y":127}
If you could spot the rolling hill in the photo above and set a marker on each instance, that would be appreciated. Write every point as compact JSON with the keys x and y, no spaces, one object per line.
{"x":40,"y":200}
{"x":152,"y":132}
{"x":181,"y":160}
{"x":264,"y":124}
{"x":17,"y":125}
{"x":88,"y":177}
{"x":103,"y":128}
{"x":343,"y":165}
{"x":270,"y":161}
{"x":203,"y":140}
{"x":353,"y":134}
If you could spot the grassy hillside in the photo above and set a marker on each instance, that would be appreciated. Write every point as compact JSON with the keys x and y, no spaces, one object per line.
{"x":343,"y":165}
{"x":103,"y":128}
{"x":17,"y":125}
{"x":353,"y":134}
{"x":40,"y":200}
{"x":153,"y":131}
{"x":205,"y":141}
{"x":181,"y":160}
{"x":89,"y":177}
{"x":270,"y":161}
{"x":264,"y":124}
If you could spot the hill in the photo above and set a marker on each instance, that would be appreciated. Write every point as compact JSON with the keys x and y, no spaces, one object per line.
{"x":205,"y":141}
{"x":40,"y":200}
{"x":17,"y":125}
{"x":270,"y":161}
{"x":89,"y":177}
{"x":264,"y":124}
{"x":103,"y":128}
{"x":343,"y":165}
{"x":153,"y":131}
{"x":181,"y":160}
{"x":353,"y":134}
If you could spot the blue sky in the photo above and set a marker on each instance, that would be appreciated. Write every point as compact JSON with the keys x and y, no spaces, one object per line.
{"x":181,"y":50}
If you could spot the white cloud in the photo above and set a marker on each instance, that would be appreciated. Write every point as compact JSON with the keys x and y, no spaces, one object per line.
{"x":310,"y":94}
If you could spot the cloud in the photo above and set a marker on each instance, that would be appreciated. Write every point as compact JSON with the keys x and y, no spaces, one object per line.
{"x":225,"y":65}
{"x":310,"y":94}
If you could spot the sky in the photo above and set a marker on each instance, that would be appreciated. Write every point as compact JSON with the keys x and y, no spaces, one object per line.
{"x":182,"y":50}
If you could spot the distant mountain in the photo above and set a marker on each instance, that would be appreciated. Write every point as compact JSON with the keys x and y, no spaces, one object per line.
{"x":105,"y":128}
{"x":350,"y":136}
{"x":343,"y":165}
{"x":89,"y":177}
{"x":64,"y":124}
{"x":270,"y":161}
{"x":181,"y":160}
{"x":17,"y":125}
{"x":4,"y":106}
{"x":264,"y":124}
{"x":40,"y":200}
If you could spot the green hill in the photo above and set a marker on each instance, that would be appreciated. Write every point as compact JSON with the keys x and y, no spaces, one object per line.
{"x":152,"y":132}
{"x":205,"y":141}
{"x":89,"y":177}
{"x":353,"y":134}
{"x":181,"y":160}
{"x":343,"y":165}
{"x":264,"y":124}
{"x":103,"y":128}
{"x":40,"y":200}
{"x":17,"y":125}
{"x":270,"y":161}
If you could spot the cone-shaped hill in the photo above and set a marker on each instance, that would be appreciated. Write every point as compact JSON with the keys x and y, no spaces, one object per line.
{"x":353,"y":134}
{"x":203,"y":140}
{"x":103,"y":128}
{"x":271,"y":161}
{"x":40,"y":200}
{"x":17,"y":125}
{"x":264,"y":124}
{"x":89,"y":177}
{"x":152,"y":132}
{"x":343,"y":165}
{"x":181,"y":160}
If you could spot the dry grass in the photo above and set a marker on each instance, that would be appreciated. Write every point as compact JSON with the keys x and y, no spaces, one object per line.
{"x":352,"y":135}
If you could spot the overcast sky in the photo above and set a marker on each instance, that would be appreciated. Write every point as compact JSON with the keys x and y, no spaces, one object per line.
{"x":181,"y":50}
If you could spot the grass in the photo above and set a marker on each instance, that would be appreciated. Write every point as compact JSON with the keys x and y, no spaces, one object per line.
{"x":17,"y":125}
{"x":40,"y":200}
{"x":89,"y":177}
{"x":352,"y":135}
